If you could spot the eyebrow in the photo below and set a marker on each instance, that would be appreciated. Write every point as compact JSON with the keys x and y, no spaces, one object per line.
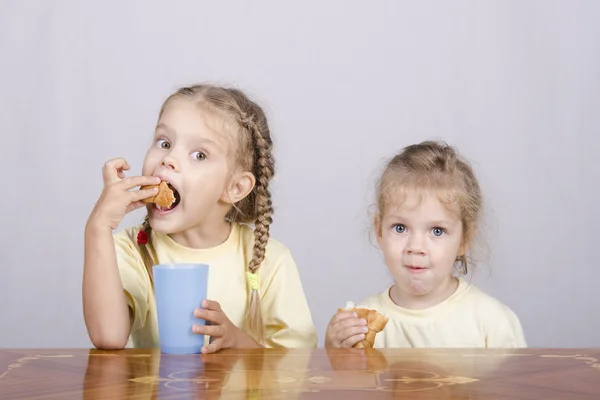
{"x":432,"y":223}
{"x":164,"y":127}
{"x":440,"y":223}
{"x":170,"y":131}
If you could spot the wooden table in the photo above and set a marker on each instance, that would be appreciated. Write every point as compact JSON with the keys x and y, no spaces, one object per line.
{"x":296,"y":374}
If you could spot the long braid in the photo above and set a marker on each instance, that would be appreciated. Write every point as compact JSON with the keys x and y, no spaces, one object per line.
{"x":264,"y":170}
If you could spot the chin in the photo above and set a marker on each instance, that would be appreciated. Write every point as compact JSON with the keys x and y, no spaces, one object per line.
{"x":161,"y":226}
{"x":418,"y":287}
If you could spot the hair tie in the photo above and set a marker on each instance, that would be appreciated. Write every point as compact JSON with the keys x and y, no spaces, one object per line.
{"x":142,"y":237}
{"x":246,"y":120}
{"x":253,"y":281}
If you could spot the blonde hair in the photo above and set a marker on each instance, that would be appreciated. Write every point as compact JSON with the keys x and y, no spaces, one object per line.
{"x":434,"y":166}
{"x":254,"y":153}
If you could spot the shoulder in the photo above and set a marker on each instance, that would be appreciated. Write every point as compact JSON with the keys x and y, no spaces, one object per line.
{"x":374,"y":301}
{"x":481,"y":299}
{"x":489,"y":308}
{"x":126,"y":247}
{"x":275,"y":251}
{"x":499,"y":322}
{"x":278,"y":266}
{"x":127,"y":237}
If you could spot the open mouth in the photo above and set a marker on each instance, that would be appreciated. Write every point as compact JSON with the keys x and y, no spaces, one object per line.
{"x":175,"y":203}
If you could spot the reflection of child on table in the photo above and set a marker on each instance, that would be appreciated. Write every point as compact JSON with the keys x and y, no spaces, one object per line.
{"x":108,"y":375}
{"x":227,"y":374}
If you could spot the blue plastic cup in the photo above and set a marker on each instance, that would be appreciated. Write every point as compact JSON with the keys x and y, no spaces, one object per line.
{"x":179,"y":289}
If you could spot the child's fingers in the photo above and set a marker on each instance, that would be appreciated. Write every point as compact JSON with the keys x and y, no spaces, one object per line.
{"x":342,"y":315}
{"x":348,"y":322}
{"x":352,"y":340}
{"x":211,"y":305}
{"x":209,"y":315}
{"x":352,"y":331}
{"x":212,"y":347}
{"x":135,"y":205}
{"x":210,"y":330}
{"x":112,"y":170}
{"x":135,"y":181}
{"x":140,"y":195}
{"x":120,"y":172}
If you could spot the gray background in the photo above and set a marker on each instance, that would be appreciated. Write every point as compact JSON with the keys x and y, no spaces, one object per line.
{"x":513,"y":84}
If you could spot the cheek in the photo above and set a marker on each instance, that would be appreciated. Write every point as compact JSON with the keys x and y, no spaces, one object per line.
{"x":204,"y":185}
{"x":448,"y":250}
{"x":146,"y":169}
{"x":392,"y":246}
{"x":151,"y":161}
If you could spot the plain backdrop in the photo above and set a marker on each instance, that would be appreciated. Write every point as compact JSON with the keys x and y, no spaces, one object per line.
{"x":514,"y":85}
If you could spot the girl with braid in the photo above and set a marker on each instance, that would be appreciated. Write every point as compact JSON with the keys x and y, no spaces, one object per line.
{"x":213,"y":147}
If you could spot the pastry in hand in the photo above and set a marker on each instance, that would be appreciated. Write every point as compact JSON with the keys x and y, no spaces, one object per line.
{"x":165,"y":196}
{"x":375,"y":322}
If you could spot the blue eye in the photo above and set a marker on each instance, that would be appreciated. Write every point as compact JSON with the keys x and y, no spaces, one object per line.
{"x":199,"y":156}
{"x":438,"y":231}
{"x":163,"y":144}
{"x":399,"y":228}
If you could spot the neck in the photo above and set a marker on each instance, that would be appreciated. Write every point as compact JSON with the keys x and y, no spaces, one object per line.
{"x":204,"y":236}
{"x":420,"y":302}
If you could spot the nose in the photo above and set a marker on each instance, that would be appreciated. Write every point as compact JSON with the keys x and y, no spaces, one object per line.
{"x":169,"y":162}
{"x":415,"y":245}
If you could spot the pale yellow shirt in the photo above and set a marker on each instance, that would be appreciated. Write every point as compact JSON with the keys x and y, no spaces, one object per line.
{"x":286,"y":316}
{"x":469,"y":318}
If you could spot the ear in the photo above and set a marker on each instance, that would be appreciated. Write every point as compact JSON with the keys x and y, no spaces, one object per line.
{"x":239,"y":187}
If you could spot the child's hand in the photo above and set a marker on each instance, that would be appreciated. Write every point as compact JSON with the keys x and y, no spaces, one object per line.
{"x":224,"y":334}
{"x":116,"y":199}
{"x":345,"y":330}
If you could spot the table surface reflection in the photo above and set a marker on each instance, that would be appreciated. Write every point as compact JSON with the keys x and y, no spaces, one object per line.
{"x":301,"y":374}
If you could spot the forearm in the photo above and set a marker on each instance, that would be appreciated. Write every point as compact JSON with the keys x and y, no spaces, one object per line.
{"x":104,"y":303}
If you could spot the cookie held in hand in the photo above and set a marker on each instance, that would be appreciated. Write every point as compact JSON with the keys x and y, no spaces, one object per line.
{"x":375,"y":322}
{"x":165,"y":196}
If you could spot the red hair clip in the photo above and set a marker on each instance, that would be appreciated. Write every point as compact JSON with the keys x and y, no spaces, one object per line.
{"x":142,"y":237}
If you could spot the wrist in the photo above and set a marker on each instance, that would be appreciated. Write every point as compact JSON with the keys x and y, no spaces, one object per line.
{"x":95,"y":224}
{"x":243,"y":340}
{"x":94,"y":227}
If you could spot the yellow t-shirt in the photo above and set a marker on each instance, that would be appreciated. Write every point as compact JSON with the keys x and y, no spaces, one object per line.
{"x":469,"y":318}
{"x":286,"y":316}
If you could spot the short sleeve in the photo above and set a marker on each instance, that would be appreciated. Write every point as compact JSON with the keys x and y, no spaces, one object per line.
{"x":134,"y":278}
{"x":506,"y":331}
{"x":286,"y":315}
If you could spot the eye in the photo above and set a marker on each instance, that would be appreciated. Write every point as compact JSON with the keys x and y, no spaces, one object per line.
{"x":399,"y":228}
{"x":163,"y":144}
{"x":199,"y":156}
{"x":438,"y":231}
